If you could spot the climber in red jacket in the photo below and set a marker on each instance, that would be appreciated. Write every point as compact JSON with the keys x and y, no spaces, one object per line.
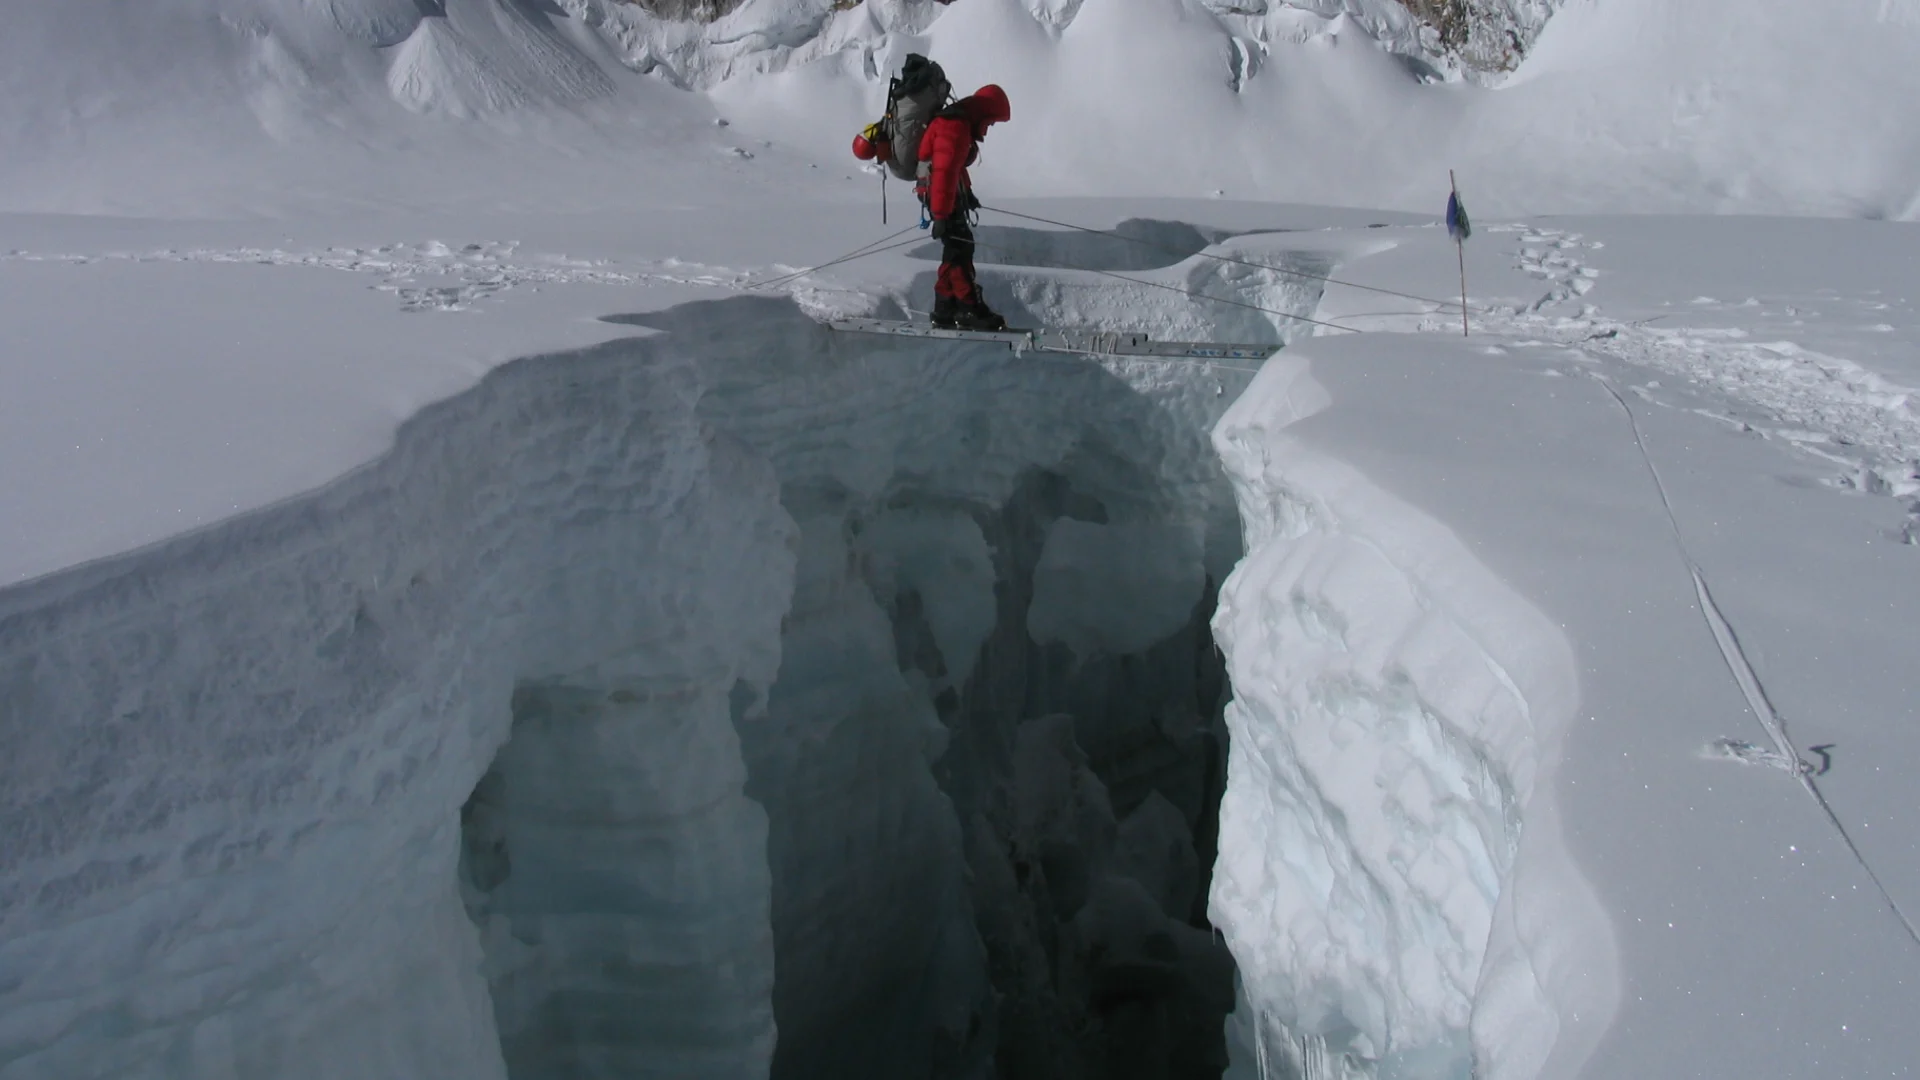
{"x":952,"y":143}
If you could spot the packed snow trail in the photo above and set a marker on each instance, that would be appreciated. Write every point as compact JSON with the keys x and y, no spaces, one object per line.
{"x":478,"y":270}
{"x":1815,"y":364}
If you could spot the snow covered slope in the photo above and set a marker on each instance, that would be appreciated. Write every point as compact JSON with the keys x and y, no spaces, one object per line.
{"x":1773,"y":106}
{"x":1625,"y":106}
{"x":222,"y":108}
{"x":1716,"y":105}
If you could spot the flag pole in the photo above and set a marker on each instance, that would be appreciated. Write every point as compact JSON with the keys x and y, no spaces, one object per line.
{"x":1460,"y":245}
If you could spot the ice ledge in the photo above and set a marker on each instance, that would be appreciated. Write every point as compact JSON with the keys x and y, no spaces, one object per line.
{"x":1392,"y":881}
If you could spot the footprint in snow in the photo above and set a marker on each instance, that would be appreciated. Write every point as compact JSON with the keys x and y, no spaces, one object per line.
{"x":1747,"y":753}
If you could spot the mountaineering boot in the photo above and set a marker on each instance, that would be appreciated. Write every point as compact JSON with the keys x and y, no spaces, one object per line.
{"x":945,"y":309}
{"x":978,"y":316}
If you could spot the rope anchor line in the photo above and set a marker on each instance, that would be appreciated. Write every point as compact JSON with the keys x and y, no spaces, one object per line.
{"x":1199,"y":295}
{"x":875,"y":248}
{"x":1752,"y":690}
{"x":1322,"y":278}
{"x":861,"y":252}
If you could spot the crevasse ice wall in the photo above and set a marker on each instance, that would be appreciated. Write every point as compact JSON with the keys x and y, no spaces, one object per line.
{"x":968,"y":658}
{"x":1392,"y":880}
{"x":539,"y":746}
{"x":232,"y":766}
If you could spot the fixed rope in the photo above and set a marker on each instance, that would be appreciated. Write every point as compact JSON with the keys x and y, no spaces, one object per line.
{"x":1198,"y":295}
{"x":861,"y":252}
{"x":1746,"y":679}
{"x":882,"y":245}
{"x":1236,"y":262}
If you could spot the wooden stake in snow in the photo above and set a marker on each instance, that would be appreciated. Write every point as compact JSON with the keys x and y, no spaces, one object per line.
{"x":1459,"y":228}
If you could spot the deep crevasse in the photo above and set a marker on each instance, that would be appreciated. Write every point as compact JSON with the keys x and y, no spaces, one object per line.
{"x":698,"y":614}
{"x":970,"y":521}
{"x":530,"y":746}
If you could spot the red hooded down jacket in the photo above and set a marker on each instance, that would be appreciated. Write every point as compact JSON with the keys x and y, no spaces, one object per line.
{"x":952,"y":143}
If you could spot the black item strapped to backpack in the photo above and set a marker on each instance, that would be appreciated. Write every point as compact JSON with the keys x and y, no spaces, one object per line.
{"x":914,"y":96}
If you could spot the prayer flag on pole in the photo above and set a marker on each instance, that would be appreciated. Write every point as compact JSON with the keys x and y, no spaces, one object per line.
{"x":1459,"y":228}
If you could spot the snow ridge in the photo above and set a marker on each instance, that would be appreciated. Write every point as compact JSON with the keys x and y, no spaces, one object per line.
{"x":489,"y":57}
{"x":1396,"y":707}
{"x":1480,"y":39}
{"x":1257,"y":99}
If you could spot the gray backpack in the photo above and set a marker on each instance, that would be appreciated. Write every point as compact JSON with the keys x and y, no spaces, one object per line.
{"x":914,"y":97}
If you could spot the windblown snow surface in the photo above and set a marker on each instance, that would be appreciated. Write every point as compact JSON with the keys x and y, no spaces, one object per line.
{"x":461,"y":613}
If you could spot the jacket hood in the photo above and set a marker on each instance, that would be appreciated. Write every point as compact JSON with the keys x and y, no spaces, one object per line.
{"x":988,"y":105}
